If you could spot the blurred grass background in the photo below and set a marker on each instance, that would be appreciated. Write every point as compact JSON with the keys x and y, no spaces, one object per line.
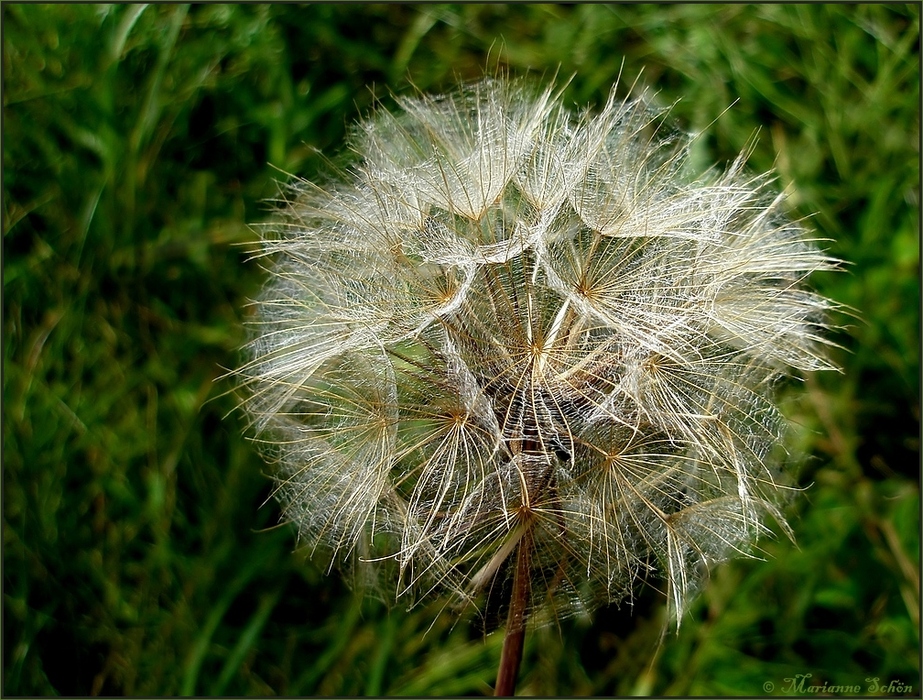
{"x":138,"y":144}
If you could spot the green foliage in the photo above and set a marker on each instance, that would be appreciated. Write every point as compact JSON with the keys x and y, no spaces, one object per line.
{"x":139,"y":142}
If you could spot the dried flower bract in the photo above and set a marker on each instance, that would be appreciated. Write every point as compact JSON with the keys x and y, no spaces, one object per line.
{"x":512,"y":322}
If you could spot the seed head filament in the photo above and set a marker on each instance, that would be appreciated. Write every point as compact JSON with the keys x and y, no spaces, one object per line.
{"x":522,"y":349}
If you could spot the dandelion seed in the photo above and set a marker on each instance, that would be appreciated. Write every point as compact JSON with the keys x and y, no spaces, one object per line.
{"x":522,"y":343}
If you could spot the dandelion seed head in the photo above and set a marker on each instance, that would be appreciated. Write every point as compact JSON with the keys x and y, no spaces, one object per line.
{"x":511,"y":318}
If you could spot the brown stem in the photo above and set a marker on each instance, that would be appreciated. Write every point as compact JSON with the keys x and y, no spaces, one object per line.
{"x":511,"y":656}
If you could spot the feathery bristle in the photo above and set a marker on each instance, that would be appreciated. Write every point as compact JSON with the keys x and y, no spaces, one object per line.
{"x":513,"y":318}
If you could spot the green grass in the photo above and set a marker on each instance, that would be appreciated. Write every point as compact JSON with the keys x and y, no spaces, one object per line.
{"x":139,"y":144}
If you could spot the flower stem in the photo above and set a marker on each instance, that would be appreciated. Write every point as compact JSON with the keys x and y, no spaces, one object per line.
{"x":511,"y":656}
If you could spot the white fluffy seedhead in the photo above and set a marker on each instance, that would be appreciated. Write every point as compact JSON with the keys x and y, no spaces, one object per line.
{"x":513,"y":318}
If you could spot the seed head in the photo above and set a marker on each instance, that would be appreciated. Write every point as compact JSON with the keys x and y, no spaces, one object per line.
{"x":510,"y":318}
